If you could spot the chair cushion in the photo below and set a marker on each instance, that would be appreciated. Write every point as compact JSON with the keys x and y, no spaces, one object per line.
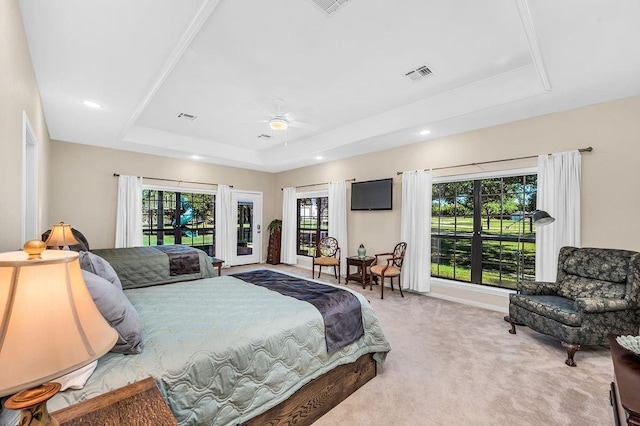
{"x":391,"y":271}
{"x":573,"y":287}
{"x":557,"y":308}
{"x":326,"y":261}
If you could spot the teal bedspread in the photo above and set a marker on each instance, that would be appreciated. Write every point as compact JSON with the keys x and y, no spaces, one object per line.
{"x":145,"y":266}
{"x":223,"y":351}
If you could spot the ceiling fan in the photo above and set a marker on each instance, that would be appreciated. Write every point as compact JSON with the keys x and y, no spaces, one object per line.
{"x":281,"y":120}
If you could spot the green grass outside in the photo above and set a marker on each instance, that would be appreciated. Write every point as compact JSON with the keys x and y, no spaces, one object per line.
{"x":464,"y":224}
{"x":489,"y":278}
{"x":152,"y":240}
{"x":203,"y":236}
{"x":499,"y":258}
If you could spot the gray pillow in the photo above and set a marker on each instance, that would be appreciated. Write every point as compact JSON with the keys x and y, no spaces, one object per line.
{"x":118,"y":311}
{"x":99,"y":266}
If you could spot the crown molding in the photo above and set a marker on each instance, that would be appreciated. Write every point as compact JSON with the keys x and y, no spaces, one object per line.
{"x":532,"y":40}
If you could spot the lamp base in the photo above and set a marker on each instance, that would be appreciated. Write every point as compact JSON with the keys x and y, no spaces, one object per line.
{"x":33,"y":403}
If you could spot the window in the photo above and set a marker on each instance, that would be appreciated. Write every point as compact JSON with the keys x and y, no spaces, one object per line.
{"x":482,"y":232}
{"x":173,"y":217}
{"x":313,"y":223}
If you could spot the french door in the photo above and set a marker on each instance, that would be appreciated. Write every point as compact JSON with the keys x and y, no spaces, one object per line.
{"x":248,"y":207}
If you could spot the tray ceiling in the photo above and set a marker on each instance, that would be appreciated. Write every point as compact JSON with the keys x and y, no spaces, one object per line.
{"x":155,"y":65}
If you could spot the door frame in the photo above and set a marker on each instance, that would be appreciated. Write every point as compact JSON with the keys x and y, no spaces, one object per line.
{"x":256,"y":197}
{"x":30,"y":205}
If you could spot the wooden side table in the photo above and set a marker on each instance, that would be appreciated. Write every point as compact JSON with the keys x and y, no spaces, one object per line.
{"x":138,"y":404}
{"x":625,"y":389}
{"x":217,"y":263}
{"x":361,"y":275}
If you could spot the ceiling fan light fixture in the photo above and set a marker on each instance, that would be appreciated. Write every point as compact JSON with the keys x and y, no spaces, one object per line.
{"x":278,"y":123}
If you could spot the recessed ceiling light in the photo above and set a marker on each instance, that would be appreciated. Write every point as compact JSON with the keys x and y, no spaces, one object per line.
{"x":318,"y":157}
{"x":195,"y":157}
{"x":92,"y":104}
{"x":425,"y":132}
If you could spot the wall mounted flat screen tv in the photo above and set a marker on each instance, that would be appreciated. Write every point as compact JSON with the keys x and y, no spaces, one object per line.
{"x":372,"y":195}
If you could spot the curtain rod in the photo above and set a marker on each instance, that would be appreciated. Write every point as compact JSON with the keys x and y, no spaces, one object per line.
{"x":588,"y":149}
{"x":176,"y":180}
{"x":316,"y":184}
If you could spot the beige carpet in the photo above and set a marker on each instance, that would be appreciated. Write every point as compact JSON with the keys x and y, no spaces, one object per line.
{"x":454,"y":364}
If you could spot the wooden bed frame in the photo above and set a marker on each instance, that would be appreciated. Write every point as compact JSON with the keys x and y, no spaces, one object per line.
{"x":141,"y":402}
{"x":319,"y":396}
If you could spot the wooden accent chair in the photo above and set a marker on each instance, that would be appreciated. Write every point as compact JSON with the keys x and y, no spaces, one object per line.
{"x":392,"y":268}
{"x":597,"y":292}
{"x":327,"y":254}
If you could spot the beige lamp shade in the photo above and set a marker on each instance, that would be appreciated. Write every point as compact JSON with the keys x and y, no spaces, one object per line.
{"x":61,"y":236}
{"x":50,"y":325}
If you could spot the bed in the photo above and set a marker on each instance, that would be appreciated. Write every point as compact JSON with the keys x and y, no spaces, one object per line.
{"x":225,"y":351}
{"x":144,"y":266}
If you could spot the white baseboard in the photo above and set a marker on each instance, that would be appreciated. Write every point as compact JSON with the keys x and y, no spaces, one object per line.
{"x":469,"y":302}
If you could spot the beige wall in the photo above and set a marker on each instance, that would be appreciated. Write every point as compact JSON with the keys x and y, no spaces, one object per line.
{"x":18,"y":93}
{"x":609,"y":174}
{"x":84,"y":190}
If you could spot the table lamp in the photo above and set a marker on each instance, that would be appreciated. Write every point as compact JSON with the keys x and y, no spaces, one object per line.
{"x":49,"y":327}
{"x":61,"y":237}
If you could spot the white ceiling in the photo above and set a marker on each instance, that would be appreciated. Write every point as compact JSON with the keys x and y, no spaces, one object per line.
{"x":227,"y":61}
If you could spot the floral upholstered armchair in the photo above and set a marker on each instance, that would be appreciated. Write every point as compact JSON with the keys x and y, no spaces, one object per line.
{"x":596,"y":292}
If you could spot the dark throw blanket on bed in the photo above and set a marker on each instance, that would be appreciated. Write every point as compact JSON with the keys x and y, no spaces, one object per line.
{"x":182,"y":259}
{"x":339,"y":308}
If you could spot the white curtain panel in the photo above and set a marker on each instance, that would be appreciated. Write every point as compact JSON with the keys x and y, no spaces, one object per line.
{"x":289,"y":226}
{"x":558,"y":195}
{"x":416,"y":230}
{"x":226,"y":220}
{"x":129,"y":212}
{"x":338,"y":219}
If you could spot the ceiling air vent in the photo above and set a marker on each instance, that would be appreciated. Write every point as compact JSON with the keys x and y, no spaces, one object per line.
{"x":264,"y":136}
{"x":329,"y":7}
{"x":418,"y":73}
{"x":185,"y":116}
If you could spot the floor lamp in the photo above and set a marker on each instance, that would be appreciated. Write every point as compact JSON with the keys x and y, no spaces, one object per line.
{"x":539,"y":218}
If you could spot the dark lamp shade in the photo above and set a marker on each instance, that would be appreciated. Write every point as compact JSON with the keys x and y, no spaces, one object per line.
{"x":541,"y":218}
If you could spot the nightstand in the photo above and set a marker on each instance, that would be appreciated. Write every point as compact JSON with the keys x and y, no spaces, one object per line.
{"x":137,"y":404}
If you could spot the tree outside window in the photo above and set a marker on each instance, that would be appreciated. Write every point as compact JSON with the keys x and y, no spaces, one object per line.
{"x":171,"y":217}
{"x":313,"y":223}
{"x":482,"y":231}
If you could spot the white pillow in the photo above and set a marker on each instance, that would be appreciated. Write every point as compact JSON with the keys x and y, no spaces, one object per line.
{"x":76,"y":379}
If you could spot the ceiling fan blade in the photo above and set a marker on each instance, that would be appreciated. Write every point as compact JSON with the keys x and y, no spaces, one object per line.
{"x":302,"y":125}
{"x":252,"y":122}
